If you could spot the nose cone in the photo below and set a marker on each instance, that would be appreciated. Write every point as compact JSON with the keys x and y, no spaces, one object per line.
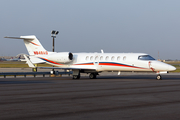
{"x":171,"y":68}
{"x":160,"y":66}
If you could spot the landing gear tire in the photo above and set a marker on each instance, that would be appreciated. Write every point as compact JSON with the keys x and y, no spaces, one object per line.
{"x":76,"y":76}
{"x":159,"y":77}
{"x":92,"y":76}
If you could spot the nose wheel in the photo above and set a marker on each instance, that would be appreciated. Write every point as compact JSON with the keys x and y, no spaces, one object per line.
{"x":158,"y":77}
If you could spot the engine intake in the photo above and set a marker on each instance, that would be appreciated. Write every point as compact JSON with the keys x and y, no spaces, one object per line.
{"x":70,"y":56}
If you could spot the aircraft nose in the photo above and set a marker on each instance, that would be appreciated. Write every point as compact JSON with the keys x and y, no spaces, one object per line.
{"x":160,"y":66}
{"x":171,"y":68}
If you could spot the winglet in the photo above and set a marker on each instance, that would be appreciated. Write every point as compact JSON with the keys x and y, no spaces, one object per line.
{"x":29,"y":62}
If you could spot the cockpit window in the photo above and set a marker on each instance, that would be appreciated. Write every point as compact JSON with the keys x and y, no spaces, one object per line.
{"x":145,"y":57}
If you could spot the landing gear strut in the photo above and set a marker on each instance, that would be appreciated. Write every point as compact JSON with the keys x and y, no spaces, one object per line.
{"x":76,"y":74}
{"x":158,"y":77}
{"x":92,"y":76}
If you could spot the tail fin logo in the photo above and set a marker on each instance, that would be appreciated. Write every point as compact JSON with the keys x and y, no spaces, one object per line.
{"x":34,"y":44}
{"x":40,"y":52}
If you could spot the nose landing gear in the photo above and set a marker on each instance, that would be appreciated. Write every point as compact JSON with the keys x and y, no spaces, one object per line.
{"x":158,"y":77}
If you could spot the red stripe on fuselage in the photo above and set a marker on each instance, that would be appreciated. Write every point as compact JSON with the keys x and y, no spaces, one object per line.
{"x":85,"y":64}
{"x":50,"y":61}
{"x":121,"y":65}
{"x":112,"y":64}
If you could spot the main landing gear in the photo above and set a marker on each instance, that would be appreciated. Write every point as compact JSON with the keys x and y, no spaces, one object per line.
{"x":158,"y":77}
{"x":76,"y":76}
{"x":92,"y":75}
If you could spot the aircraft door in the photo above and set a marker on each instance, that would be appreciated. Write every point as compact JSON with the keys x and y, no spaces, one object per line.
{"x":150,"y":66}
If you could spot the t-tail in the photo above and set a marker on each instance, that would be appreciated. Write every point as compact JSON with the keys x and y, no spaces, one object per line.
{"x":32,"y":44}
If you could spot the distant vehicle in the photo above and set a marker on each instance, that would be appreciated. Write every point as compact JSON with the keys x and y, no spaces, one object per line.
{"x":92,"y":63}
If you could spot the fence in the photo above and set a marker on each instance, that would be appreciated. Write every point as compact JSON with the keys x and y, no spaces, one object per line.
{"x":32,"y":73}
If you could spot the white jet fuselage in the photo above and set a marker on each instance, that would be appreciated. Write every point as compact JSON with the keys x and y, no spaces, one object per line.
{"x":110,"y":62}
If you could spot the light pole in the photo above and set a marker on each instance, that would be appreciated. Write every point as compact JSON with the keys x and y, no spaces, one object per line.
{"x":53,"y":34}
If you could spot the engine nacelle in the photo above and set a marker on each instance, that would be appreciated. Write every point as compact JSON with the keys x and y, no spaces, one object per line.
{"x":61,"y":57}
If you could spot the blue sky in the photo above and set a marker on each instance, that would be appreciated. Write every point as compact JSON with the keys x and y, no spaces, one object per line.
{"x":145,"y":26}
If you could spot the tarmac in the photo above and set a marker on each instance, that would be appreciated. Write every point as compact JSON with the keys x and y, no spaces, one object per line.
{"x":109,"y":97}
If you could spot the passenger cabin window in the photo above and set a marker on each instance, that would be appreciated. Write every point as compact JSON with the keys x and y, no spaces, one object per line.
{"x":101,"y":58}
{"x":107,"y":58}
{"x":124,"y":58}
{"x":96,"y":58}
{"x":91,"y":58}
{"x":112,"y":58}
{"x":87,"y":57}
{"x":118,"y":58}
{"x":145,"y":57}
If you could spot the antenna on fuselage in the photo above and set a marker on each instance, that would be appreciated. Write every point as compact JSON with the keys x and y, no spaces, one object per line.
{"x":102,"y":51}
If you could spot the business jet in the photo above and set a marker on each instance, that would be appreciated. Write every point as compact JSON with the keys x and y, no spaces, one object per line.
{"x":92,"y":63}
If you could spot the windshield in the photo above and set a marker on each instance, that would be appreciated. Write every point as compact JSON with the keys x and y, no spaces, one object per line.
{"x":145,"y":57}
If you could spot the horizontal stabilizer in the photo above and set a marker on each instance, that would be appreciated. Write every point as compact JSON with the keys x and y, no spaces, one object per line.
{"x":29,"y":62}
{"x":32,"y":37}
